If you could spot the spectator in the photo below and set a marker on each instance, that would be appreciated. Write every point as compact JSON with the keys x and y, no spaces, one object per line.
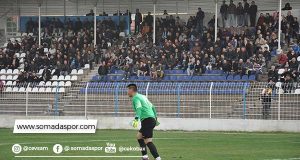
{"x":143,"y":69}
{"x":46,"y":75}
{"x":273,"y":73}
{"x":190,"y":68}
{"x":91,"y":13}
{"x":138,"y":21}
{"x":200,"y":19}
{"x":165,"y":12}
{"x":282,"y":59}
{"x":240,"y":14}
{"x":246,"y":12}
{"x":198,"y":68}
{"x":231,"y":14}
{"x":253,"y":13}
{"x":149,"y":19}
{"x":224,"y":13}
{"x":287,"y":6}
{"x":102,"y":70}
{"x":266,"y":96}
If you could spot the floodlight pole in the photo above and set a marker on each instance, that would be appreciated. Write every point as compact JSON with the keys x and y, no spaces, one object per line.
{"x":154,"y":17}
{"x":95,"y":25}
{"x":39,"y":24}
{"x":216,"y":20}
{"x":279,"y":26}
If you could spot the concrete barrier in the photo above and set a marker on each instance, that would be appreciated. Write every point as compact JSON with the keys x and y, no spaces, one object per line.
{"x":186,"y":124}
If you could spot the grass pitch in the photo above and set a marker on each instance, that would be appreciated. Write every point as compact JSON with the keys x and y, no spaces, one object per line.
{"x":172,"y":145}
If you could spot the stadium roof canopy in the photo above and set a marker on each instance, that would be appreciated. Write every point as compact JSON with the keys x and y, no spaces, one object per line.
{"x":81,"y":7}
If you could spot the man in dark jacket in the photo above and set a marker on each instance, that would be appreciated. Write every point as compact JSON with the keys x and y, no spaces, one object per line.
{"x":102,"y":70}
{"x":231,"y":13}
{"x":240,"y":14}
{"x":200,"y":17}
{"x":252,"y":13}
{"x":246,"y":12}
{"x":224,"y":13}
{"x":138,"y":20}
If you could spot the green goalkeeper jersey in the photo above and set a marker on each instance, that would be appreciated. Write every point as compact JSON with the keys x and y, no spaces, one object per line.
{"x":142,"y":107}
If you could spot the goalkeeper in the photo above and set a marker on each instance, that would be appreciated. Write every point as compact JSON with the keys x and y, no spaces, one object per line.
{"x":146,"y":113}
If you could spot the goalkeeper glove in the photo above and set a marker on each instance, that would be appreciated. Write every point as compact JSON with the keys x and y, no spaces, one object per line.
{"x":135,"y":123}
{"x":157,"y":123}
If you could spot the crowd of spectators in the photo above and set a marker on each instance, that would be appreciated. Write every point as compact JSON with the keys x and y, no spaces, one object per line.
{"x":190,"y":46}
{"x":65,"y":46}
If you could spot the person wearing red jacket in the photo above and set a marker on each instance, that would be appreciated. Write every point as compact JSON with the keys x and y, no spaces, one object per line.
{"x":282,"y":58}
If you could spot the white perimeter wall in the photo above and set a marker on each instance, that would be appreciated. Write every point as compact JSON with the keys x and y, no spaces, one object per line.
{"x":186,"y":124}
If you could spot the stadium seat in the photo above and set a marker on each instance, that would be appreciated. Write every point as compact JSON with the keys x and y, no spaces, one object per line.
{"x":17,"y":55}
{"x":18,"y":34}
{"x":40,"y":72}
{"x":54,"y":90}
{"x":61,"y":78}
{"x":21,"y":60}
{"x":42,"y":89}
{"x":48,"y":89}
{"x":280,"y":71}
{"x":252,"y":77}
{"x":46,"y":50}
{"x":3,"y":77}
{"x":74,"y":78}
{"x":16,"y":71}
{"x":55,"y":83}
{"x":87,"y":66}
{"x":42,"y":83}
{"x":15,"y":77}
{"x":2,"y":71}
{"x":230,"y":77}
{"x":80,"y":72}
{"x":61,"y":83}
{"x":28,"y":89}
{"x":23,"y":55}
{"x":237,"y":77}
{"x":68,"y":84}
{"x":9,"y":77}
{"x":278,"y":84}
{"x":245,"y":78}
{"x":73,"y":72}
{"x":8,"y":89}
{"x":52,"y":72}
{"x":9,"y":83}
{"x":297,"y":91}
{"x":35,"y":89}
{"x":24,"y":34}
{"x":22,"y":89}
{"x":54,"y":78}
{"x":48,"y":83}
{"x":15,"y":89}
{"x":61,"y":90}
{"x":9,"y":71}
{"x":67,"y":78}
{"x":18,"y":39}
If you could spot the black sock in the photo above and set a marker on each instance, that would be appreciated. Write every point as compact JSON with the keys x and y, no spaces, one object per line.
{"x":143,"y":146}
{"x":152,"y":149}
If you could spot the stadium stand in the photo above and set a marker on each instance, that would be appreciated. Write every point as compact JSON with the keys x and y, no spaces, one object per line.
{"x":184,"y":53}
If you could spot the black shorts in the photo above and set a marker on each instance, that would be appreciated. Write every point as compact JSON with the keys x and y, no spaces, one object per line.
{"x":148,"y":125}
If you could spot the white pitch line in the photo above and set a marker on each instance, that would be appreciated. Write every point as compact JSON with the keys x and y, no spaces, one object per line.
{"x":77,"y":156}
{"x":285,"y":159}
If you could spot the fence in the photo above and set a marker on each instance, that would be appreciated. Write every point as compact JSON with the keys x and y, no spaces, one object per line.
{"x":224,"y":100}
